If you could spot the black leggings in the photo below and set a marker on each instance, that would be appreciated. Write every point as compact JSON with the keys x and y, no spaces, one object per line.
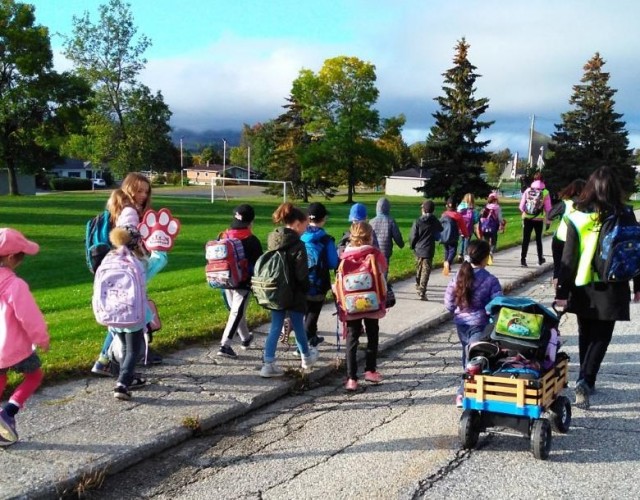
{"x":529,"y":225}
{"x":594,"y":336}
{"x":354,"y":330}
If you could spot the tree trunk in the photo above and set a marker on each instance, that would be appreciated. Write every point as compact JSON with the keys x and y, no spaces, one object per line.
{"x":13,"y":178}
{"x":351,"y":183}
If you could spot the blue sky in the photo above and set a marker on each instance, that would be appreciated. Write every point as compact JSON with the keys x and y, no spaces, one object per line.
{"x":220,"y":64}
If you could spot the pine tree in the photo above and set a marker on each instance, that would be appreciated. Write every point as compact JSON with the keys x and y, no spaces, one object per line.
{"x":454,"y":154}
{"x":590,"y":135}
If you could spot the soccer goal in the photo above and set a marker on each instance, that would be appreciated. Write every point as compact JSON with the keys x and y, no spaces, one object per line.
{"x":215,"y":183}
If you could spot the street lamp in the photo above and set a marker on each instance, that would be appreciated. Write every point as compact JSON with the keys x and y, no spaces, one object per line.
{"x":181,"y":164}
{"x":224,"y":160}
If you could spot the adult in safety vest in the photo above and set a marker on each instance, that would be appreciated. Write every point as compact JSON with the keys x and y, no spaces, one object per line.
{"x":596,"y":304}
{"x":560,"y":210}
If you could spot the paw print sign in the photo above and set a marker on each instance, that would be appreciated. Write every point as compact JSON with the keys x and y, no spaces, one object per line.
{"x":159,"y":230}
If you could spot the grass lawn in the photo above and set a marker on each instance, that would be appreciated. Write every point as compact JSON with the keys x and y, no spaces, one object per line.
{"x":190,"y":310}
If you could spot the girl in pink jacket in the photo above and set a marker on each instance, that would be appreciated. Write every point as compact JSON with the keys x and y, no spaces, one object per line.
{"x":22,"y":327}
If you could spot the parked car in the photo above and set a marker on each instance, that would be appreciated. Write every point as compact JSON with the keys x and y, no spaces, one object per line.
{"x":99,"y":183}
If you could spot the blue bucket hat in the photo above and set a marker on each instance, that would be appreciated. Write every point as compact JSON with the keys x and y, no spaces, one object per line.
{"x":358,"y":213}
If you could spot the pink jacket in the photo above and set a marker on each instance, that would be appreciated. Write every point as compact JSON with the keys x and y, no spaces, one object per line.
{"x":546,"y":202}
{"x":22,"y":324}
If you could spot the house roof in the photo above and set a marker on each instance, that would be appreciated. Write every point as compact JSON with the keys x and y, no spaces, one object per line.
{"x":411,"y":173}
{"x":74,"y":164}
{"x":215,"y":168}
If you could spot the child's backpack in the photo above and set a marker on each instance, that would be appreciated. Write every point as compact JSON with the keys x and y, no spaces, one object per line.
{"x":617,"y":256}
{"x":489,"y":222}
{"x":96,"y":240}
{"x":227,"y":266}
{"x":319,"y":275}
{"x":360,"y":288}
{"x":468,"y":216}
{"x":271,"y":282}
{"x":534,"y":201}
{"x":521,"y":325}
{"x":450,"y":233}
{"x":119,"y":291}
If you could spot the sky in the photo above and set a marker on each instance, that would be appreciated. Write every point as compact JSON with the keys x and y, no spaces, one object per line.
{"x":220,"y":64}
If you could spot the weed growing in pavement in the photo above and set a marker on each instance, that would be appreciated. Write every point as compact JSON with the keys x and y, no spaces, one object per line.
{"x":192,"y":423}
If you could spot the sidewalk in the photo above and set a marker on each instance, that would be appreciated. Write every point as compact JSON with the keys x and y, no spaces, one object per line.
{"x":76,"y":432}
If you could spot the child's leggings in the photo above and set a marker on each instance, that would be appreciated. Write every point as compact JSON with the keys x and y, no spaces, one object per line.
{"x":26,"y":389}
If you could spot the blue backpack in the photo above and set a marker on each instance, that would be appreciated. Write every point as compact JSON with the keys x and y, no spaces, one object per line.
{"x":617,"y":257}
{"x":319,"y":276}
{"x":449,"y":234}
{"x":96,"y":240}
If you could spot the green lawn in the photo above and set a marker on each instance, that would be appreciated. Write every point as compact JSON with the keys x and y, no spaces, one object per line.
{"x":190,"y":310}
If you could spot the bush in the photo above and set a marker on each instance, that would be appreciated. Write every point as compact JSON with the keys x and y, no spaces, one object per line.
{"x":160,"y":179}
{"x":173,"y":178}
{"x":70,"y":184}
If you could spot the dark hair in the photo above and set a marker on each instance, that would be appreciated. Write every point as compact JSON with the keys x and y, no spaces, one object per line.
{"x":601,"y":193}
{"x":538,"y":177}
{"x":477,"y":251}
{"x":450,"y":203}
{"x":573,"y":189}
{"x":286,"y":213}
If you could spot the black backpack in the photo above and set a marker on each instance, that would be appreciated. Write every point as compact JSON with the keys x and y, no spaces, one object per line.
{"x":450,"y":233}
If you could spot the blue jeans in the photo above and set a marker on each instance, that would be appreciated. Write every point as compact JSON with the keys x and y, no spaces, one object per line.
{"x":133,"y":344}
{"x":450,"y":252}
{"x":467,"y":335}
{"x":277,"y":320}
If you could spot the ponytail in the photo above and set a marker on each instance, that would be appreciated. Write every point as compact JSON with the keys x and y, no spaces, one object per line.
{"x":286,"y":213}
{"x":477,"y":252}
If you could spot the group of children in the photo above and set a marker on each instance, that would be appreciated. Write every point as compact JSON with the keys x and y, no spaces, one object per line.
{"x":301,"y":234}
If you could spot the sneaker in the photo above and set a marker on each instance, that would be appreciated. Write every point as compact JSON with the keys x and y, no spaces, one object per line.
{"x":459,"y":259}
{"x":523,"y":263}
{"x":582,"y":394}
{"x":459,"y":399}
{"x":227,"y":352}
{"x":137,"y":382}
{"x":102,"y":368}
{"x":590,"y":388}
{"x":446,"y":268}
{"x":120,"y":392}
{"x":373,"y":377}
{"x":270,"y":370}
{"x":490,"y":261}
{"x":423,"y":296}
{"x":8,"y":433}
{"x":310,"y":359}
{"x":246,"y":343}
{"x":351,"y":385}
{"x":315,"y":341}
{"x":541,"y":261}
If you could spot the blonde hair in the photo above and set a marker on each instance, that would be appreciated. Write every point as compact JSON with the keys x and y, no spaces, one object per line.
{"x":469,"y":199}
{"x":361,"y":233}
{"x":124,"y":196}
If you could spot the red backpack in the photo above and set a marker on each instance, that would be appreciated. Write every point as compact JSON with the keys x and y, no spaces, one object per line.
{"x":227,"y":267}
{"x":360,"y":288}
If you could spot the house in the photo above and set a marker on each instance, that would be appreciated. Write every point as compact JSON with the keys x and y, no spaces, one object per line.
{"x":203,"y":174}
{"x":79,"y":169}
{"x":405,"y":182}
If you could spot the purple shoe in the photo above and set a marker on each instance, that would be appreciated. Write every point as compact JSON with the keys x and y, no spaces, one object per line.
{"x":8,"y":433}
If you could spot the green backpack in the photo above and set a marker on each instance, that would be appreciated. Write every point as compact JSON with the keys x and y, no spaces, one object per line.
{"x":271,"y":282}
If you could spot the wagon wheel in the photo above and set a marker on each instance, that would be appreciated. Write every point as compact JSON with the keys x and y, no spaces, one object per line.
{"x":468,"y":431}
{"x":541,"y":438}
{"x":560,"y":414}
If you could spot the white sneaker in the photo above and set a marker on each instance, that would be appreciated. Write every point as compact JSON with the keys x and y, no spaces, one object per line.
{"x":270,"y":370}
{"x":310,"y":359}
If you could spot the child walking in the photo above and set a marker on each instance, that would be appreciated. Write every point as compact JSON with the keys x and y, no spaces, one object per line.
{"x":322,"y":258}
{"x":360,"y":245}
{"x":471,"y":217}
{"x":453,"y":226}
{"x":22,"y":327}
{"x":126,"y":207}
{"x":238,"y":298}
{"x":466,"y":296}
{"x":422,"y":240}
{"x":287,"y":239}
{"x":128,"y":239}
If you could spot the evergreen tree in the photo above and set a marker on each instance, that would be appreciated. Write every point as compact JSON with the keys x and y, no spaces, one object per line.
{"x":454,"y":154}
{"x":590,"y":135}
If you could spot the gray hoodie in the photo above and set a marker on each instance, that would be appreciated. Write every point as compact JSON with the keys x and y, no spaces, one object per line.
{"x":386,"y":228}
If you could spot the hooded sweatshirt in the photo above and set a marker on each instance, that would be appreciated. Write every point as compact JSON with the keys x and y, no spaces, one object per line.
{"x":386,"y":228}
{"x":546,"y":204}
{"x":287,"y":239}
{"x":22,"y":324}
{"x":424,"y":235}
{"x":315,"y":235}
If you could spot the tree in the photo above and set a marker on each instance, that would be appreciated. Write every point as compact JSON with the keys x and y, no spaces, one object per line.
{"x":337,"y":110}
{"x":454,"y":154}
{"x":132,"y":129}
{"x":590,"y":135}
{"x":37,"y":105}
{"x":391,"y":142}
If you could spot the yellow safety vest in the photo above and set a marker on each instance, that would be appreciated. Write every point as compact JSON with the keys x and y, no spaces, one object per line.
{"x":588,"y":228}
{"x":561,"y":232}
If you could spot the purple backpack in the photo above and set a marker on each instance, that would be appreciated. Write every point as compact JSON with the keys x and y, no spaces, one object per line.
{"x":467,"y":217}
{"x":119,"y":291}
